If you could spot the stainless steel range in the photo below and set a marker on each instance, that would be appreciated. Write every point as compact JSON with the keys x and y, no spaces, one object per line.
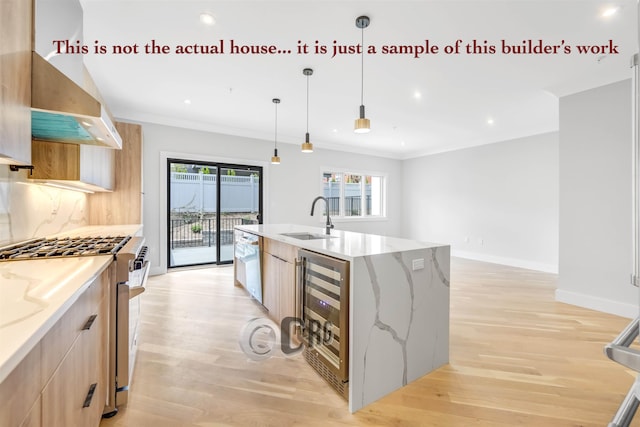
{"x":131,"y":272}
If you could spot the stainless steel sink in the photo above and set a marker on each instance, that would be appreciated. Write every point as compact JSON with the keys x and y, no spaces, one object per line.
{"x":307,"y":236}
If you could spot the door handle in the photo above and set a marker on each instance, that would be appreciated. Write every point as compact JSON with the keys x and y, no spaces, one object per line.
{"x":299,"y":287}
{"x":89,"y":398}
{"x":89,"y":322}
{"x":134,"y":291}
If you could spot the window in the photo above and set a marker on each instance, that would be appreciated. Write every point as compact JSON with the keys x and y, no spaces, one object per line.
{"x":354,"y":195}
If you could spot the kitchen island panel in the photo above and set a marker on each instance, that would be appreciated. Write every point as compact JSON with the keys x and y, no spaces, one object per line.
{"x":399,"y":321}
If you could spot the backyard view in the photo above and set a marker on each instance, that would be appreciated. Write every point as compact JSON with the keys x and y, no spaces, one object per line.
{"x":361,"y":194}
{"x":200,"y":225}
{"x":202,"y":216}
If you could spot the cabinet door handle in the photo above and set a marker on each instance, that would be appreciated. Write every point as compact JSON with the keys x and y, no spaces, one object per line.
{"x":89,"y":322}
{"x":87,"y":400}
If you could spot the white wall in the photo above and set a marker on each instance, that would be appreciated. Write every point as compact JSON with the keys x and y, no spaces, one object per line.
{"x":503,"y":197}
{"x":595,"y":200}
{"x":289,"y":187}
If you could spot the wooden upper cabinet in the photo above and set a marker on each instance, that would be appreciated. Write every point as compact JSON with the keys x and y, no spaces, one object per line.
{"x":124,"y":204}
{"x":74,"y":165}
{"x":15,"y":81}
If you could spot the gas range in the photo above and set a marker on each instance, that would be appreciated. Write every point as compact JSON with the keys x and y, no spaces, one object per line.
{"x":63,"y":247}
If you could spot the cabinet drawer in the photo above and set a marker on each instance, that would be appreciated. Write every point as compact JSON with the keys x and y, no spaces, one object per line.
{"x":75,"y":394}
{"x":20,"y":390}
{"x":283,"y":251}
{"x":59,"y":339}
{"x":34,"y":418}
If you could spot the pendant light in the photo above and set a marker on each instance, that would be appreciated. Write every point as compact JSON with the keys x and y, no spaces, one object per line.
{"x":275,"y":159}
{"x":362,"y":124}
{"x":307,"y":147}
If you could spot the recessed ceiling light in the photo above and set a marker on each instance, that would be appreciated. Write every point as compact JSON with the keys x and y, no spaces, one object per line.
{"x":402,"y":143}
{"x":610,"y":11}
{"x":187,"y":101}
{"x":207,"y":18}
{"x":335,"y":131}
{"x":489,"y":121}
{"x":417,"y":95}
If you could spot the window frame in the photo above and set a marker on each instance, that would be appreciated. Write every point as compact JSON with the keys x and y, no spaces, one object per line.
{"x":362,"y":173}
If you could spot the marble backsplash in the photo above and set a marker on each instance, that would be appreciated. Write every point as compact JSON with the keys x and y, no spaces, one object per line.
{"x":29,"y":210}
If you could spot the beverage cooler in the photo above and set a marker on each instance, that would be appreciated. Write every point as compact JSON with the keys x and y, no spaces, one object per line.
{"x":323,"y":306}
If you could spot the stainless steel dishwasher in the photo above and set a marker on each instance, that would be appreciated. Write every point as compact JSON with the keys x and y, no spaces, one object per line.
{"x":247,"y":253}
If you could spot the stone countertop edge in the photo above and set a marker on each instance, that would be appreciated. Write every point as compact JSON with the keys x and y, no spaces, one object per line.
{"x":31,"y":337}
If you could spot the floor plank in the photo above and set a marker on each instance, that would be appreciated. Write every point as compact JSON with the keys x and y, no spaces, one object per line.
{"x":518,"y":357}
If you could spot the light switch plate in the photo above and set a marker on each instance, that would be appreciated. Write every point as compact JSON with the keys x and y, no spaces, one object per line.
{"x":418,"y":264}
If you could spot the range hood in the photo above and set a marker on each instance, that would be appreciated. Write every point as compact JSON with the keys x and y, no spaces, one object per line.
{"x":62,"y":111}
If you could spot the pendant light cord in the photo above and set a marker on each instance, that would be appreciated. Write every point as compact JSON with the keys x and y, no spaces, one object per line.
{"x":362,"y":69}
{"x":307,"y":104}
{"x":275,"y":142}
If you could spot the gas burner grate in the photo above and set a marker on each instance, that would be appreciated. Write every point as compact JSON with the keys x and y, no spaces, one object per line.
{"x":63,"y":247}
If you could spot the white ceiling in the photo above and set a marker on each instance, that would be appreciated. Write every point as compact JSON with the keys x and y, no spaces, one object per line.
{"x":232,"y":94}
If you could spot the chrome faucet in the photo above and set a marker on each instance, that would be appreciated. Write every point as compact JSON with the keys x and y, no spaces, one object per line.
{"x":329,"y":225}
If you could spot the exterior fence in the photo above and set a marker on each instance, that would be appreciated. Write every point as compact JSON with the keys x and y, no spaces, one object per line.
{"x":189,"y":233}
{"x":196,"y":192}
{"x":352,"y":198}
{"x":352,"y":205}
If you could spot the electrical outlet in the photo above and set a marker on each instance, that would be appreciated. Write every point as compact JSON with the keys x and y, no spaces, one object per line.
{"x":417,"y":264}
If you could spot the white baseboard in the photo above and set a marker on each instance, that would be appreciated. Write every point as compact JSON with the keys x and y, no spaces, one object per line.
{"x":158,"y":270}
{"x":622,"y":309}
{"x":513,"y":262}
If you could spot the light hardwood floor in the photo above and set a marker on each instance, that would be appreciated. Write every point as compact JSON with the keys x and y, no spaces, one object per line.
{"x":517,"y":358}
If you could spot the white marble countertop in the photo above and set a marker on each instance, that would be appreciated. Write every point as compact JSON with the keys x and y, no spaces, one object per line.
{"x":345,"y":245}
{"x":34,"y":294}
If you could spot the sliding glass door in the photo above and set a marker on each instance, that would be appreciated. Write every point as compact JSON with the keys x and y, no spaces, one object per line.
{"x":205,"y":202}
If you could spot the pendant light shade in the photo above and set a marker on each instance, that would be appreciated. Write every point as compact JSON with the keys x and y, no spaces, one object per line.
{"x":275,"y":159}
{"x":307,"y":147}
{"x":362,"y":124}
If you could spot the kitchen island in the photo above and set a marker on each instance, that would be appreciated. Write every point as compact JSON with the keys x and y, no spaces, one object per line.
{"x":398,"y":304}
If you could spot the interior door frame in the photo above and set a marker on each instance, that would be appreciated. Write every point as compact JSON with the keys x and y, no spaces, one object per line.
{"x":218,"y":167}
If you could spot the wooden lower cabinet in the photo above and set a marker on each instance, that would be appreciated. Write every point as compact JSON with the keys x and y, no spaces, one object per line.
{"x":20,"y":390}
{"x":287,"y":289}
{"x":34,"y":417}
{"x":52,"y":385}
{"x":270,"y":279}
{"x":279,"y":279}
{"x":74,"y":396}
